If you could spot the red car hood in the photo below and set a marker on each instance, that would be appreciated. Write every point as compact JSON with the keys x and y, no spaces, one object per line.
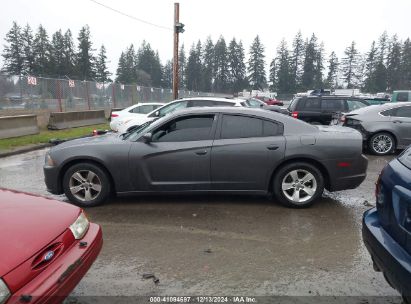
{"x":27,"y":224}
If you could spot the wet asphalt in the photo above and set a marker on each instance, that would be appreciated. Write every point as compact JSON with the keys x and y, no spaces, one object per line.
{"x":224,"y":245}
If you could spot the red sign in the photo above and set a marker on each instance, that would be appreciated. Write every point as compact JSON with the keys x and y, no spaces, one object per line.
{"x":32,"y":80}
{"x":71,"y":84}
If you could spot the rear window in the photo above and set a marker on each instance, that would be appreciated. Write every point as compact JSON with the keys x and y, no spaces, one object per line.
{"x":333,"y":105}
{"x":311,"y":104}
{"x":293,"y":104}
{"x":405,"y":158}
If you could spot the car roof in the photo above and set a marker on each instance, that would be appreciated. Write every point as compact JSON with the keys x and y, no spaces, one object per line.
{"x":223,"y":99}
{"x":379,"y":108}
{"x":332,"y":97}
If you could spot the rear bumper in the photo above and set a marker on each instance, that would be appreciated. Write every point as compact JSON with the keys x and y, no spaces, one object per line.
{"x":56,"y":282}
{"x":386,"y":253}
{"x":349,"y":177}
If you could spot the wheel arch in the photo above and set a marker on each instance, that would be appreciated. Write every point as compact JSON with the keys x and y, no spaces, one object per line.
{"x":309,"y":160}
{"x":93,"y":161}
{"x":396,"y":141}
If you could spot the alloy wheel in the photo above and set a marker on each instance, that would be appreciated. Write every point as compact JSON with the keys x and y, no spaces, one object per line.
{"x":382,"y":144}
{"x":85,"y":185}
{"x":299,"y":186}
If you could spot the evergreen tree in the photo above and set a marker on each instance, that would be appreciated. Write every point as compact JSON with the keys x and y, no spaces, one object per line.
{"x":208,"y":65}
{"x":69,"y":56}
{"x":406,"y":65}
{"x":193,"y":69}
{"x":121,"y":69}
{"x":148,"y":61}
{"x":102,"y":73}
{"x":380,"y":75}
{"x":130,"y":66}
{"x":370,"y":68}
{"x":319,"y":67}
{"x":256,"y":66}
{"x":394,"y":65}
{"x":283,"y":69}
{"x":297,"y":62}
{"x":331,"y":81}
{"x":85,"y":60}
{"x":181,"y":67}
{"x":221,"y":72}
{"x":41,"y":49}
{"x":168,"y":74}
{"x":57,"y":62}
{"x":350,"y":66}
{"x":237,"y":68}
{"x":309,"y":67}
{"x":13,"y":51}
{"x":28,"y":53}
{"x":273,"y":75}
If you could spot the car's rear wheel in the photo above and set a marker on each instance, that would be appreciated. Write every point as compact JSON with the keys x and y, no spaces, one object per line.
{"x":298,"y":185}
{"x":86,"y":185}
{"x":382,"y":143}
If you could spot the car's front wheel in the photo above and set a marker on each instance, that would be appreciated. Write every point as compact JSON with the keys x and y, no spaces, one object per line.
{"x":298,"y":185}
{"x":382,"y":143}
{"x":86,"y":185}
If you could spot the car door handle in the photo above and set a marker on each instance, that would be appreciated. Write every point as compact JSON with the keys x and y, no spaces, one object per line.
{"x":397,"y":121}
{"x":203,"y":152}
{"x":272,"y":147}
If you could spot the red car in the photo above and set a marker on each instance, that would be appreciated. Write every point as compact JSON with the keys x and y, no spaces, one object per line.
{"x":46,"y":247}
{"x":270,"y":101}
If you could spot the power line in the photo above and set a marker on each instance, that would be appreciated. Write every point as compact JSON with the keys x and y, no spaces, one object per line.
{"x":132,"y":17}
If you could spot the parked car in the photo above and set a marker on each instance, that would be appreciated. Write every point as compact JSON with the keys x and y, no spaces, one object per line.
{"x":320,"y":110}
{"x":387,"y":228}
{"x":270,"y":101}
{"x":46,"y":247}
{"x":385,"y":128}
{"x":257,"y":103}
{"x":220,"y":149}
{"x":125,"y":125}
{"x":129,"y":113}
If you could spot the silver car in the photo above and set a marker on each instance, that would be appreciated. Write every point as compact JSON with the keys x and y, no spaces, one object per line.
{"x":385,"y":128}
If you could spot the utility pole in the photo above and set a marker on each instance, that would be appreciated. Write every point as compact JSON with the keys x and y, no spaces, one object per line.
{"x":178,"y":28}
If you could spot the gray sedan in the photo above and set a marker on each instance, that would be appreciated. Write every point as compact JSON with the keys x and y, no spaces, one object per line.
{"x":202,"y":150}
{"x":385,"y":128}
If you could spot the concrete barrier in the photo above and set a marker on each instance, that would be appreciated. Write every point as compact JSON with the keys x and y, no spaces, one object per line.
{"x":14,"y":126}
{"x":65,"y":120}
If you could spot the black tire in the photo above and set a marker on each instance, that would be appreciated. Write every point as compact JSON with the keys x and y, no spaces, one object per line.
{"x":379,"y":150}
{"x":283,"y":174}
{"x":101,"y":178}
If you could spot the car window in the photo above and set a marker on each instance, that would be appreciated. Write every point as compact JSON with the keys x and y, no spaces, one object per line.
{"x":201,"y":103}
{"x":390,"y":112}
{"x":355,"y":104}
{"x":252,"y":103}
{"x":224,"y":104}
{"x":402,"y":96}
{"x":172,"y":107}
{"x":189,"y":128}
{"x":403,"y":112}
{"x":332,"y":105}
{"x":235,"y":126}
{"x":312,"y":104}
{"x":293,"y":103}
{"x":144,"y":109}
{"x":405,"y":158}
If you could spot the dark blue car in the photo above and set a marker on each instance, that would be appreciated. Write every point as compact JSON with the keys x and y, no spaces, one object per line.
{"x":387,"y":228}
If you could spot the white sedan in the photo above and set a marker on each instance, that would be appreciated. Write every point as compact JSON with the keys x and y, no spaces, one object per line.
{"x":127,"y":124}
{"x":120,"y":117}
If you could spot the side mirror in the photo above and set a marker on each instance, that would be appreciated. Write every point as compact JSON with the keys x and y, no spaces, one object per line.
{"x":147,"y":138}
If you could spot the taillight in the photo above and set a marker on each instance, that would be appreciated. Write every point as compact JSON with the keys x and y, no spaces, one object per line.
{"x":114,"y":115}
{"x":343,"y":118}
{"x":294,"y":114}
{"x":379,"y":194}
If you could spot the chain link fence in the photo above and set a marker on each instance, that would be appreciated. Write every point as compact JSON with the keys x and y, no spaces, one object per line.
{"x":30,"y":93}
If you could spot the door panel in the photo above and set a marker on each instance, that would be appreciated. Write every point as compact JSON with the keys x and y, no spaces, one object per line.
{"x":245,"y":163}
{"x":402,"y":124}
{"x":170,"y":166}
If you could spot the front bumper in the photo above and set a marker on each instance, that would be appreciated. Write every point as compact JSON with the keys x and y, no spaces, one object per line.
{"x":52,"y":180}
{"x":56,"y":282}
{"x":386,"y":253}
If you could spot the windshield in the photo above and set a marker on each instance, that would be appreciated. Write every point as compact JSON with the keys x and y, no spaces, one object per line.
{"x":405,"y":158}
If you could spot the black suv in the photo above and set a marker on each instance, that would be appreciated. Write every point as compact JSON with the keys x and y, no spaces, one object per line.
{"x":320,"y":110}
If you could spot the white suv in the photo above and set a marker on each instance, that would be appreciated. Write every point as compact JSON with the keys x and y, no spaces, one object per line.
{"x":124,"y":125}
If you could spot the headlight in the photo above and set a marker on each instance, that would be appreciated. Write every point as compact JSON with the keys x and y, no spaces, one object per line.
{"x":49,"y":161}
{"x":4,"y":292}
{"x":80,"y":226}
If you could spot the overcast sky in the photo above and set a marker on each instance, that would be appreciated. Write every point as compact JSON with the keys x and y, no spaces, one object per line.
{"x":336,"y":23}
